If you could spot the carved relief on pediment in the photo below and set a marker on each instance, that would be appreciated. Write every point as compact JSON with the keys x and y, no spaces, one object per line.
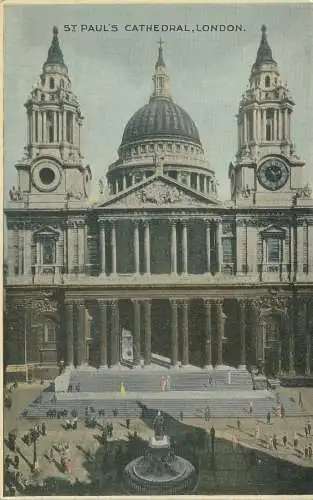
{"x":157,"y":194}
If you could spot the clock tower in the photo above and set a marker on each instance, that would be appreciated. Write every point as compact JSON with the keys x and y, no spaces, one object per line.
{"x":52,"y":170}
{"x":266,"y":170}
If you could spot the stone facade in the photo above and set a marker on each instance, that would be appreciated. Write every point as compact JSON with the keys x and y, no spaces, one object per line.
{"x":195,"y":280}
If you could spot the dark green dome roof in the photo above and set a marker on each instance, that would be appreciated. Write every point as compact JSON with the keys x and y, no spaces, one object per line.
{"x":160,"y":117}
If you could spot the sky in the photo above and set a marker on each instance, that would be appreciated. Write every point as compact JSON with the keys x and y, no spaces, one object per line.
{"x":111,"y":72}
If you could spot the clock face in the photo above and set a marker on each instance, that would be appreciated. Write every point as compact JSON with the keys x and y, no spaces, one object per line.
{"x":273,"y":174}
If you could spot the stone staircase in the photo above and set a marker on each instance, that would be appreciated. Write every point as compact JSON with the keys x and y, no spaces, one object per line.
{"x":142,"y":380}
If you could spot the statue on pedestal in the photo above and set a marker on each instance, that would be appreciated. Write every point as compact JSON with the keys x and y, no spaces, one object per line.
{"x":158,"y":426}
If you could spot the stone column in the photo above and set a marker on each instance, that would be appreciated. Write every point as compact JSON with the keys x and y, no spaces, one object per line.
{"x":113,"y":242}
{"x":257,"y":332}
{"x":55,"y":127}
{"x":137,"y":330}
{"x":285,"y":123}
{"x":242,"y":328}
{"x":102,"y":247}
{"x":208,"y":245}
{"x":80,"y":336}
{"x":147,"y":330}
{"x":208,"y":333}
{"x":254,"y":125}
{"x":219,"y":245}
{"x":103,"y":333}
{"x":220,"y":330}
{"x":124,"y":182}
{"x":44,"y":126}
{"x":245,"y":128}
{"x":136,"y":247}
{"x":173,"y":248}
{"x":291,"y":333}
{"x":147,"y":246}
{"x":174,"y":332}
{"x":60,"y":139}
{"x":185,"y":333}
{"x":64,"y":138}
{"x":69,"y":331}
{"x":34,"y":127}
{"x":115,"y":333}
{"x":308,"y":328}
{"x":198,"y":182}
{"x":185,"y":248}
{"x":264,"y":125}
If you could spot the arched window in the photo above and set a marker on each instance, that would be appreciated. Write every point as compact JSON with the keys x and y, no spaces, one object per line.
{"x":50,"y":130}
{"x":267,"y":81}
{"x":51,"y":83}
{"x":69,"y":127}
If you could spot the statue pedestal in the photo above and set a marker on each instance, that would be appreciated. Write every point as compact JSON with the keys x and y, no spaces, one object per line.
{"x":160,"y":471}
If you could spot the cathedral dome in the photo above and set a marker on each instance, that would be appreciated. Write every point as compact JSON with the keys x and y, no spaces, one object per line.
{"x":160,"y":117}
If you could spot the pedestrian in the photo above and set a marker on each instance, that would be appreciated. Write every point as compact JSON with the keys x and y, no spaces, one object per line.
{"x":181,"y":415}
{"x":75,"y":423}
{"x":306,"y":451}
{"x":306,"y":431}
{"x":127,"y":422}
{"x":310,"y":451}
{"x":207,"y":414}
{"x":212,"y":432}
{"x":257,"y":431}
{"x":115,"y":412}
{"x":210,"y":380}
{"x":268,"y":417}
{"x":274,"y":441}
{"x":285,"y":440}
{"x":250,"y":408}
{"x":43,"y":429}
{"x":309,"y":427}
{"x":16,"y":461}
{"x":238,"y":424}
{"x":300,"y":400}
{"x":295,"y":440}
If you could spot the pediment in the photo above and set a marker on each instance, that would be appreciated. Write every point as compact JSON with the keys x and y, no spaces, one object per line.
{"x":46,"y":231}
{"x":158,"y":191}
{"x":274,"y":231}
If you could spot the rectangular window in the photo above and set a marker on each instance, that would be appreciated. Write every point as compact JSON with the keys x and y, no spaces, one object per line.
{"x":228,"y":245}
{"x":273,"y":250}
{"x":48,"y":251}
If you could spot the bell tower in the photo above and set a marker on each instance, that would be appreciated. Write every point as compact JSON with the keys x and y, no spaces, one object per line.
{"x":266,"y":168}
{"x":53,"y":165}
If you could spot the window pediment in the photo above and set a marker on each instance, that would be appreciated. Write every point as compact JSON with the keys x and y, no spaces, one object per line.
{"x":273,"y":232}
{"x":46,"y":232}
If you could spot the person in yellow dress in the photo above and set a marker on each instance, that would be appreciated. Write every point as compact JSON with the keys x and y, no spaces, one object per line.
{"x":122,"y":389}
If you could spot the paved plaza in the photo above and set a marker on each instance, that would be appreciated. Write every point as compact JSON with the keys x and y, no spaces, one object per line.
{"x":242,"y":462}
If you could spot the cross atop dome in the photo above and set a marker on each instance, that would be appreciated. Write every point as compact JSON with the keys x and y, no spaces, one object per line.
{"x":160,"y":78}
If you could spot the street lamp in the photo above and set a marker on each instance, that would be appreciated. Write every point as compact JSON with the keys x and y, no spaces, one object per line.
{"x":35,"y":461}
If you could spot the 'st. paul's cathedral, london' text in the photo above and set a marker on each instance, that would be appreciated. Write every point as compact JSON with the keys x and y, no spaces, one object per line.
{"x":157,"y":267}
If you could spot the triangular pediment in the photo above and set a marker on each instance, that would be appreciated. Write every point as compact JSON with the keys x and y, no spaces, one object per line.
{"x":158,"y":191}
{"x":274,"y":231}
